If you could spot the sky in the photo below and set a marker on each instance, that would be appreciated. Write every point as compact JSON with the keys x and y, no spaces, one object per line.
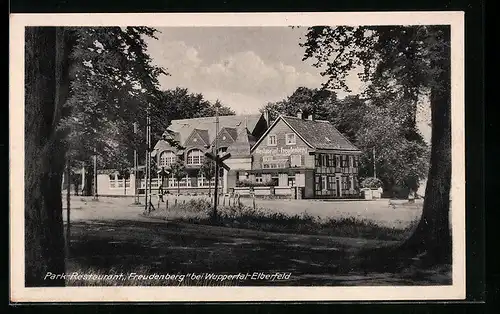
{"x":243,"y":67}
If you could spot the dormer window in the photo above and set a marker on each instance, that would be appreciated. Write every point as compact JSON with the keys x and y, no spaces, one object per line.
{"x":271,"y":140}
{"x":195,"y":157}
{"x":290,"y":139}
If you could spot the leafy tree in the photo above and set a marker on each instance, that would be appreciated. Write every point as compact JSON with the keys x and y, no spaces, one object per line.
{"x":407,"y":62}
{"x":80,"y":84}
{"x":178,"y":171}
{"x":400,"y":161}
{"x":113,"y":80}
{"x":179,"y":103}
{"x":207,"y":169}
{"x":310,"y":101}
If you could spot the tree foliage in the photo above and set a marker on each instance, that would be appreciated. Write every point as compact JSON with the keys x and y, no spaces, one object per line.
{"x":178,"y":171}
{"x":402,"y":63}
{"x":113,"y":80}
{"x":311,"y":101}
{"x":207,"y":169}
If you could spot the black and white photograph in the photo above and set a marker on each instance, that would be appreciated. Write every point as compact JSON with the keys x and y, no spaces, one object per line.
{"x":288,"y":156}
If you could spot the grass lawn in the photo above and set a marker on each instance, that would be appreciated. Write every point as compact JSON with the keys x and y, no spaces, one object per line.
{"x":125,"y":242}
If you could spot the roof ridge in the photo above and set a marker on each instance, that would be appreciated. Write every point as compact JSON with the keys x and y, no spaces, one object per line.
{"x":228,"y":115}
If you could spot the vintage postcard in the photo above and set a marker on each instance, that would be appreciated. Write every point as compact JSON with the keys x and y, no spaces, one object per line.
{"x":237,"y":157}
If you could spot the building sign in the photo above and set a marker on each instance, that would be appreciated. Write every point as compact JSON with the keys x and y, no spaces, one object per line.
{"x":282,"y":151}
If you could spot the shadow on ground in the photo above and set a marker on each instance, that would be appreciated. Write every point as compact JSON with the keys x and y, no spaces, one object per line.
{"x":166,"y":247}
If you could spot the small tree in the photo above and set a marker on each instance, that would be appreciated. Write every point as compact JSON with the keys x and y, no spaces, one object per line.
{"x":207,"y":169}
{"x":178,"y":171}
{"x":124,"y":174}
{"x":371,"y":183}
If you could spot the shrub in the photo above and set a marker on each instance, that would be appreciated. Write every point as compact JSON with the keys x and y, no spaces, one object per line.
{"x":262,"y":219}
{"x":371,"y":183}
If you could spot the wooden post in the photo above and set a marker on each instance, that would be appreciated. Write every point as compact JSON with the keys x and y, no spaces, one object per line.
{"x":166,"y":204}
{"x":68,"y":205}
{"x":136,"y":176}
{"x":216,"y":189}
{"x":96,"y":196}
{"x":253,"y":201}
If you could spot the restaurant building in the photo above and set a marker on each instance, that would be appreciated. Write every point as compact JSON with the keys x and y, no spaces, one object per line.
{"x":305,"y":153}
{"x":295,"y":156}
{"x":236,"y":134}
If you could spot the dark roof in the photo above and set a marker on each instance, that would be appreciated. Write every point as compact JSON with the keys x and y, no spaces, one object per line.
{"x":185,"y":127}
{"x":244,"y":142}
{"x":319,"y":134}
{"x":223,"y":140}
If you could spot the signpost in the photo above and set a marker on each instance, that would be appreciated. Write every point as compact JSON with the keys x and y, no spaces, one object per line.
{"x":219,"y":162}
{"x":162,"y":173}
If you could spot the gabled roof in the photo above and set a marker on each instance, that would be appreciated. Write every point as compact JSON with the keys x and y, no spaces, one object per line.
{"x":244,"y":142}
{"x":186,"y":126}
{"x":226,"y":137}
{"x":198,"y":134}
{"x":320,"y":134}
{"x":317,"y":134}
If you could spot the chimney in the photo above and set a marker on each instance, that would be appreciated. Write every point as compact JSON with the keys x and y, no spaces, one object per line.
{"x":299,"y":114}
{"x":311,"y":117}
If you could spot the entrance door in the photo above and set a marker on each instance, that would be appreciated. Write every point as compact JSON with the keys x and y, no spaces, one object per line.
{"x":338,"y":189}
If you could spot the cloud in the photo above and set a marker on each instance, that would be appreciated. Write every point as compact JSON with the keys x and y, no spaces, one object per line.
{"x":243,"y":72}
{"x":239,"y":79}
{"x":246,"y":72}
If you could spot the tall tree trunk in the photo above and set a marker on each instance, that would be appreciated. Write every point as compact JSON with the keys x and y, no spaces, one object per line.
{"x":89,"y":180}
{"x":46,"y":87}
{"x":432,"y":235}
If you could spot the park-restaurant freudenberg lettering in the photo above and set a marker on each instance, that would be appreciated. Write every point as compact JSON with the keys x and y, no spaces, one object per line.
{"x":281,"y":151}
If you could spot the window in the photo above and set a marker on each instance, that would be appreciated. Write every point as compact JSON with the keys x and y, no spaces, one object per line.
{"x":331,"y":183}
{"x":267,"y":158}
{"x":194,"y":157}
{"x":291,"y":181}
{"x":337,"y":162}
{"x":204,"y":182}
{"x":323,"y":160}
{"x":167,"y":158}
{"x":112,"y":181}
{"x":258,"y":178}
{"x":290,"y":139}
{"x":184,"y":182}
{"x":331,"y":160}
{"x":317,"y":160}
{"x":270,"y":162}
{"x":351,"y":161}
{"x":344,"y":161}
{"x":271,"y":140}
{"x":295,"y":160}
